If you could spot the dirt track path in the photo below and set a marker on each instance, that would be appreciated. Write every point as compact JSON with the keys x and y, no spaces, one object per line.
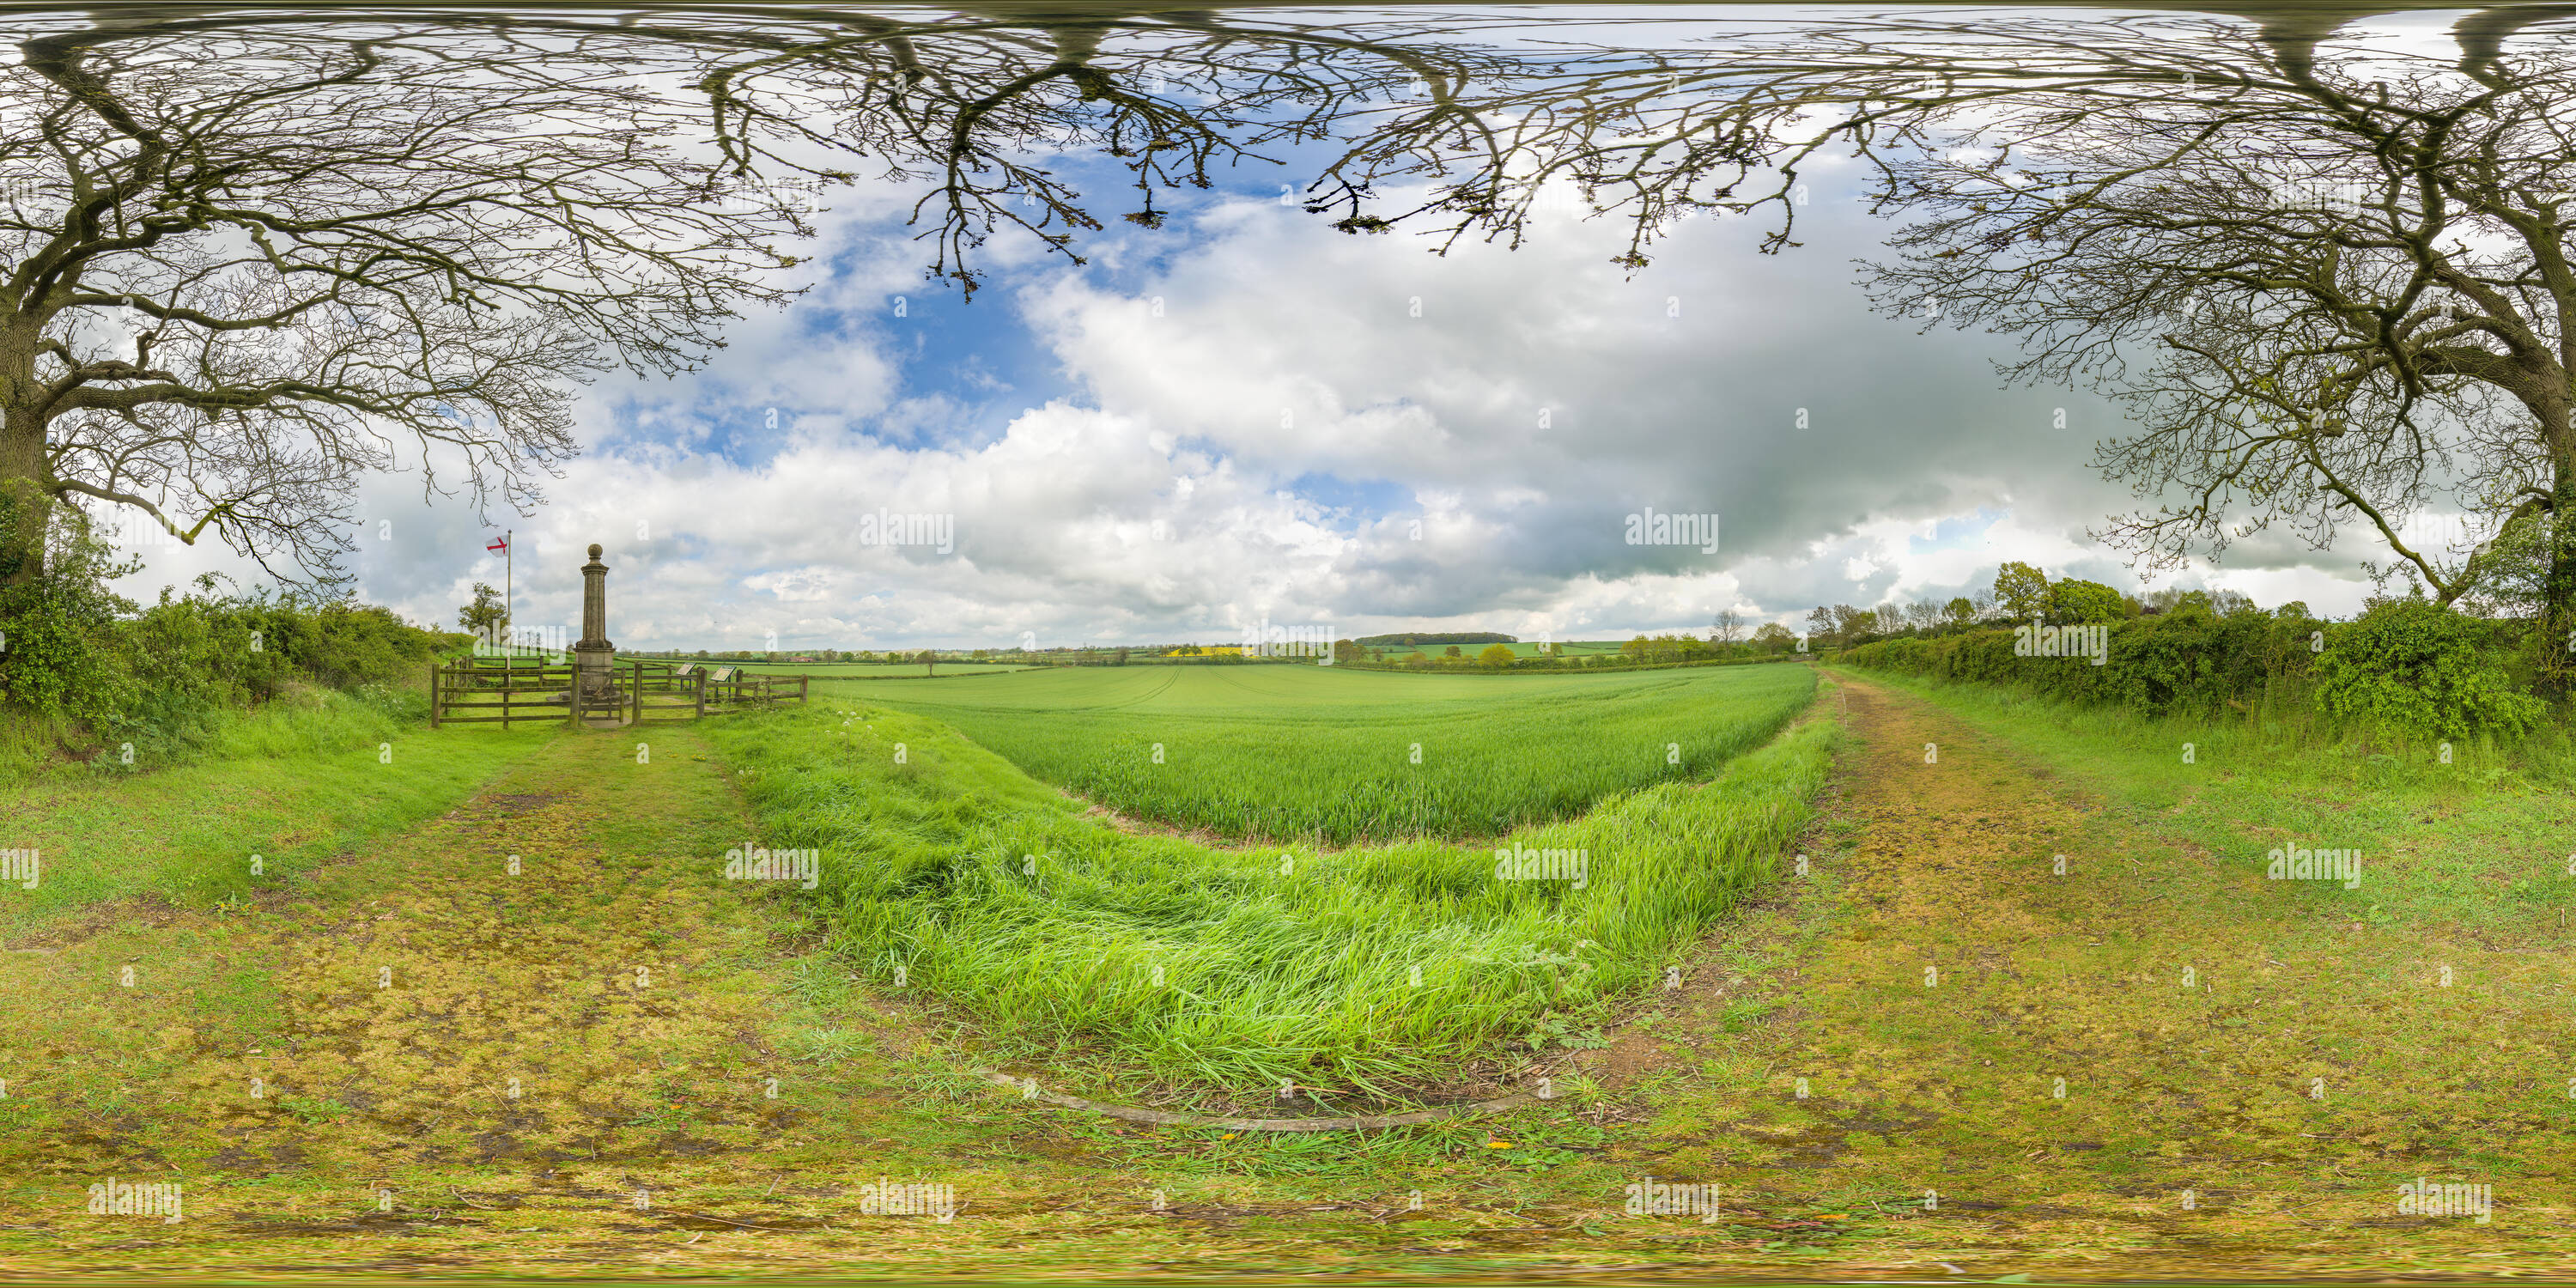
{"x":541,"y":973}
{"x":2241,"y":1086}
{"x":574,"y":1004}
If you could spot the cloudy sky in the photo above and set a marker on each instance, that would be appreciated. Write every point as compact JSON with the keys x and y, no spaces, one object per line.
{"x":1245,"y":415}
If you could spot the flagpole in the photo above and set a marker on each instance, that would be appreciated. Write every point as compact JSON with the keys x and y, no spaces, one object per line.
{"x":509,"y":583}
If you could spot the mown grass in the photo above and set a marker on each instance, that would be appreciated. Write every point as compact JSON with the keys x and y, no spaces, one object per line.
{"x":1335,"y":757}
{"x":300,"y":778}
{"x":948,"y":869}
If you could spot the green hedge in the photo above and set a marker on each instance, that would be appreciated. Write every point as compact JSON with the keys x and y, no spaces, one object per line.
{"x":165,"y":677}
{"x":2404,"y":666}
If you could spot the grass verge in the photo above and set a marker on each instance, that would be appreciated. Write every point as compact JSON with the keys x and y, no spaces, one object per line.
{"x":303,"y":777}
{"x":2472,"y":836}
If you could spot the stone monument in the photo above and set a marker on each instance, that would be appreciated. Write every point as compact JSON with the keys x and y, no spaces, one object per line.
{"x":594,"y":659}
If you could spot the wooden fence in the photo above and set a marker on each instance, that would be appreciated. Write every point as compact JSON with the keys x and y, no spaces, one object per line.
{"x":508,"y":689}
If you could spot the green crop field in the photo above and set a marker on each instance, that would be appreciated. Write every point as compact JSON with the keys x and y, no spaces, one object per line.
{"x":945,"y":867}
{"x":850,"y":670}
{"x":1336,"y":757}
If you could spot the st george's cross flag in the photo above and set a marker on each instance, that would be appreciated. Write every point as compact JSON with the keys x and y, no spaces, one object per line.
{"x":499,"y":545}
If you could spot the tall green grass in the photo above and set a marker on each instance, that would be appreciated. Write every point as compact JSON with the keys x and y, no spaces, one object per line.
{"x":1278,"y":963}
{"x":1330,"y":757}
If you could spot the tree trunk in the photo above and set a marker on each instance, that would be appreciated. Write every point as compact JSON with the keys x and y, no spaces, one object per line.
{"x":2558,"y":592}
{"x":25,"y":507}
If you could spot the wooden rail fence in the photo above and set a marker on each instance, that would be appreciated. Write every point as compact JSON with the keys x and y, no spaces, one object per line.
{"x":638,"y":692}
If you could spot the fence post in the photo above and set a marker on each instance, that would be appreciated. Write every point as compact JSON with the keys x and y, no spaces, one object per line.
{"x":433,"y":695}
{"x":701,"y":712}
{"x":637,"y":697}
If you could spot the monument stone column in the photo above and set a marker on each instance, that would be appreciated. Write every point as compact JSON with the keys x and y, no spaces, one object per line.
{"x":593,"y":657}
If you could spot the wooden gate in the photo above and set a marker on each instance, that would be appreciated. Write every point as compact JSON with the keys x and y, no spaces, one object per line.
{"x":502,"y":690}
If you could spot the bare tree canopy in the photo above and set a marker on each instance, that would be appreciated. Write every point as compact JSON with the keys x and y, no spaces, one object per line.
{"x":2330,"y":283}
{"x":247,"y":257}
{"x":239,"y":273}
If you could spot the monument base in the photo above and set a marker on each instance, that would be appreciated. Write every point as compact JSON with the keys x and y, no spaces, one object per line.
{"x":594,"y":687}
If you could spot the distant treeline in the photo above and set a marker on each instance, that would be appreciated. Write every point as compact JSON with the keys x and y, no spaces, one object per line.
{"x":1472,"y":637}
{"x":1590,"y":662}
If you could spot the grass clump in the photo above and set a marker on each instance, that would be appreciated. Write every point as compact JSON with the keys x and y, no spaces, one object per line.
{"x":1361,"y":969}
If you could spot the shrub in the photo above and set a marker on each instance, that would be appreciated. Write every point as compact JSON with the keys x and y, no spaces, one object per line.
{"x":2414,"y":667}
{"x":61,"y":658}
{"x":60,"y":655}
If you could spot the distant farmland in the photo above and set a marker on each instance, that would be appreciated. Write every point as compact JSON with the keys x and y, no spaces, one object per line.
{"x":851,"y":670}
